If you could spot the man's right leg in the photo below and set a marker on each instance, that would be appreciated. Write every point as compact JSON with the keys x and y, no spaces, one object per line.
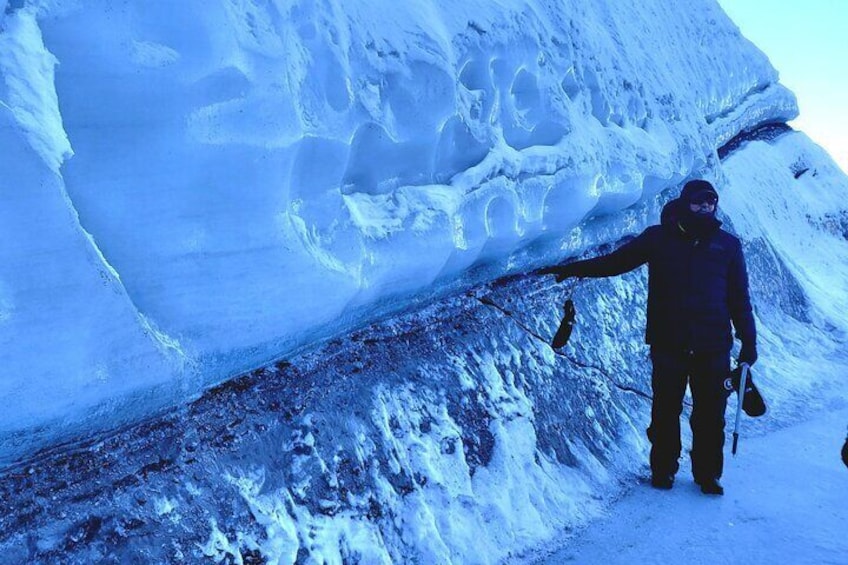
{"x":668,"y":382}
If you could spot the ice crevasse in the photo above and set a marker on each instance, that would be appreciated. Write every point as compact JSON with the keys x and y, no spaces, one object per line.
{"x":192,"y":189}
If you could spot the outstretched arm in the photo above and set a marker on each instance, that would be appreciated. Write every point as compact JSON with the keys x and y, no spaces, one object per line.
{"x":632,"y":254}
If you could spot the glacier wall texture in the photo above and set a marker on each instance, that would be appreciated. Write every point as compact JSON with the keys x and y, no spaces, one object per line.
{"x":193,"y":190}
{"x":454,"y":434}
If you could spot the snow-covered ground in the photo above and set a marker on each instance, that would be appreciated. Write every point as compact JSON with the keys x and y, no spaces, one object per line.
{"x":785,"y":502}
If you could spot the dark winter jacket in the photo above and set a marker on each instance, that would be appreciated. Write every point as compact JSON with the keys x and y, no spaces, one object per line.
{"x":697,"y":283}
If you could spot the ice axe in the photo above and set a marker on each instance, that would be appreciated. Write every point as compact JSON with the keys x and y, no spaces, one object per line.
{"x":743,"y":382}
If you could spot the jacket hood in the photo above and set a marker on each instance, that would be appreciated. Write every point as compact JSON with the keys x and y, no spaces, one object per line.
{"x":671,"y":212}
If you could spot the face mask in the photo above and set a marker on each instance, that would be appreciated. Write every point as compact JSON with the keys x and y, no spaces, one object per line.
{"x":699,"y":222}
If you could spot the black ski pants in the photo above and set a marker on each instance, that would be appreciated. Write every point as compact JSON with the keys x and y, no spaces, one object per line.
{"x":705,"y":372}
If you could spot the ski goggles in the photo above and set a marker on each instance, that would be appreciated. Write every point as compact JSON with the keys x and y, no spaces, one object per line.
{"x":705,"y":197}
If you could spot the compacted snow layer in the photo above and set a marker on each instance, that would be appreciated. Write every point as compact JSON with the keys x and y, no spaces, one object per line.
{"x":451,"y":435}
{"x":192,"y":189}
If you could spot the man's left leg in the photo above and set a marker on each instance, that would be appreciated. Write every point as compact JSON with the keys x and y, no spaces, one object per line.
{"x":709,"y":399}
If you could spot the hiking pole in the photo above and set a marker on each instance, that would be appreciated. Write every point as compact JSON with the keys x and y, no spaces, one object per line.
{"x":743,"y":382}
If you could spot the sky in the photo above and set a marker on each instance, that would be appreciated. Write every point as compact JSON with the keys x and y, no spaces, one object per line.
{"x":806,"y":42}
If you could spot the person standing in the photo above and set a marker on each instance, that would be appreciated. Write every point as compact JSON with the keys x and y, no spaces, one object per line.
{"x":697,"y":288}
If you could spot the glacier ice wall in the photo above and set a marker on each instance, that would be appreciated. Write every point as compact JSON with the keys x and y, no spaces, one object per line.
{"x":193,"y":189}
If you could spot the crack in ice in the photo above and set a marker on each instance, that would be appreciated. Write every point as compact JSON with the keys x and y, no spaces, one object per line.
{"x":489,"y":302}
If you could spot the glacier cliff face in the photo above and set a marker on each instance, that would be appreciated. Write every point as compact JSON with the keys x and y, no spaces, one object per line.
{"x":195,"y":189}
{"x":346,"y":195}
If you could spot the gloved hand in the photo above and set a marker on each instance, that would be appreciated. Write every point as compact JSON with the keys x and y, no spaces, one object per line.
{"x":562,"y":272}
{"x":748,"y":354}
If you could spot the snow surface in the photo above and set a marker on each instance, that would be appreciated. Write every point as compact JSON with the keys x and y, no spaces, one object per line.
{"x":193,"y":189}
{"x":785,"y":500}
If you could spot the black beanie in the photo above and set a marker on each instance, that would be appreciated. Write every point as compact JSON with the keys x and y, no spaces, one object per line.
{"x":696,"y":186}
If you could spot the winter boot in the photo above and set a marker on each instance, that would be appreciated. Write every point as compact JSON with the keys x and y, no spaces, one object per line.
{"x":711,"y":486}
{"x":662,"y":481}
